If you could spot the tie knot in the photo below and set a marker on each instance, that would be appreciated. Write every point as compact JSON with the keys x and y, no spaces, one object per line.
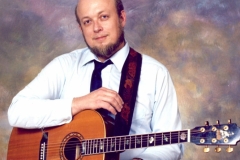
{"x":99,"y":66}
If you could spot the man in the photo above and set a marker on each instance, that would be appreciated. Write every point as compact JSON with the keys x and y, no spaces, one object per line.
{"x":61,"y":90}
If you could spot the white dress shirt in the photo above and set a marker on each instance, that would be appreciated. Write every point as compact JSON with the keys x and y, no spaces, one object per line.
{"x":46,"y":101}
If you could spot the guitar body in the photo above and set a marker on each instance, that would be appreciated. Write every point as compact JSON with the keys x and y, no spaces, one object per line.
{"x":89,"y":137}
{"x":26,"y":143}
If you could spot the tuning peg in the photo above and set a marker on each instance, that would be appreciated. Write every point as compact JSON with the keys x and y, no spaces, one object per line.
{"x":218,"y":149}
{"x":229,"y":121}
{"x":206,"y":149}
{"x":206,"y":123}
{"x":229,"y":149}
{"x":218,"y":122}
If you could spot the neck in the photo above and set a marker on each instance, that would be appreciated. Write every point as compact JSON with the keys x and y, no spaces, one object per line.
{"x":103,"y":59}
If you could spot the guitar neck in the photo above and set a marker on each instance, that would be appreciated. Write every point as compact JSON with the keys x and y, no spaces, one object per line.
{"x":121,"y":143}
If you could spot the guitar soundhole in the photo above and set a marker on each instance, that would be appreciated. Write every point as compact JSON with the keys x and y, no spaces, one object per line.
{"x":70,"y":148}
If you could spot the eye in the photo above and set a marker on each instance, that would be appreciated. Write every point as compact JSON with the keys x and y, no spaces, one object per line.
{"x":104,"y":17}
{"x":86,"y":22}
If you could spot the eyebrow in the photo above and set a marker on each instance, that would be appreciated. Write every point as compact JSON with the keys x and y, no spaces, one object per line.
{"x":100,"y":12}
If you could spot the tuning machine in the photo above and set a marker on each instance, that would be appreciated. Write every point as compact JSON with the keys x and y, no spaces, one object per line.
{"x":229,"y":121}
{"x":229,"y":149}
{"x":206,"y":149}
{"x":218,"y":149}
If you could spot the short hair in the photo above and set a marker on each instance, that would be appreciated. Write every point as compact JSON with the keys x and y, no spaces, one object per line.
{"x":118,"y":4}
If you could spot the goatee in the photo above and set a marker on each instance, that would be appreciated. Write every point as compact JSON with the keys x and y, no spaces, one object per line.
{"x":107,"y":51}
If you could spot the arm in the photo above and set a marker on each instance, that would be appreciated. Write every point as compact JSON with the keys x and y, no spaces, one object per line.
{"x":38,"y":104}
{"x":41,"y":104}
{"x":165,"y":118}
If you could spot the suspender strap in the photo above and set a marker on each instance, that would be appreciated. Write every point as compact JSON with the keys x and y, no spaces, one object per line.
{"x":128,"y":91}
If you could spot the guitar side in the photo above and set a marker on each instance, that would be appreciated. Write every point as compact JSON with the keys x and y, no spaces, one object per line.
{"x":25,"y":143}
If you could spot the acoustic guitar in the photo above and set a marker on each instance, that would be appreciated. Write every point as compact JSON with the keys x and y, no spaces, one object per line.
{"x":87,"y":138}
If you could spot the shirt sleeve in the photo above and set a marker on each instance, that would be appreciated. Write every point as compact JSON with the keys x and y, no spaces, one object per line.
{"x":38,"y":104}
{"x":165,"y":117}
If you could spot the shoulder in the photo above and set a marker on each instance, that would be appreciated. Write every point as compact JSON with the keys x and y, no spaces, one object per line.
{"x":149,"y":64}
{"x":73,"y":56}
{"x":68,"y":61}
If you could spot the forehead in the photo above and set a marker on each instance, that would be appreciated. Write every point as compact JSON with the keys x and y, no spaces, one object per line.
{"x":92,"y":7}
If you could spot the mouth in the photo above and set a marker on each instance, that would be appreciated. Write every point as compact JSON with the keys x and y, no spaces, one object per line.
{"x":100,"y":38}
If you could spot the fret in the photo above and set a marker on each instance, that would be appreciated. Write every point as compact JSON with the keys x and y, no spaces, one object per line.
{"x":101,"y":146}
{"x":170,"y":137}
{"x":127,"y":142}
{"x":166,"y":138}
{"x":98,"y":146}
{"x":144,"y":140}
{"x":87,"y":147}
{"x":151,"y":140}
{"x":91,"y":147}
{"x":121,"y":143}
{"x":124,"y":143}
{"x":110,"y":145}
{"x":155,"y":139}
{"x":105,"y":144}
{"x":175,"y":137}
{"x":83,"y":150}
{"x":132,"y":142}
{"x":183,"y":137}
{"x":138,"y":141}
{"x":162,"y":138}
{"x":118,"y":143}
{"x":95,"y":146}
{"x":113,"y":144}
{"x":158,"y":139}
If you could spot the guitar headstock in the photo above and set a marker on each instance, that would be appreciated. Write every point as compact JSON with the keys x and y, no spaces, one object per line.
{"x":216,"y":135}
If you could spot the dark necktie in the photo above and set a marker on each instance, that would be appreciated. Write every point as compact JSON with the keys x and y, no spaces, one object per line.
{"x":96,"y":81}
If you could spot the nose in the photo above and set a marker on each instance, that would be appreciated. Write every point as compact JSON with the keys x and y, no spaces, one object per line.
{"x":97,"y":27}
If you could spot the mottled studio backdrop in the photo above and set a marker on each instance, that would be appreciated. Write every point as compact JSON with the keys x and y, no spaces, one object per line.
{"x":197,"y":40}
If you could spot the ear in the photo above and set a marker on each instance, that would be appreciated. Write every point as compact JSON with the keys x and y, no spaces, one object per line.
{"x":123,"y":18}
{"x":80,"y":28}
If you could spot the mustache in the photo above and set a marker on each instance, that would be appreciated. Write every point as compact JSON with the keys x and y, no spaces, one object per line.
{"x":99,"y":36}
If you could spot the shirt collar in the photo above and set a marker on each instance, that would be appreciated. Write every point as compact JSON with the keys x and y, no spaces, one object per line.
{"x":118,"y":58}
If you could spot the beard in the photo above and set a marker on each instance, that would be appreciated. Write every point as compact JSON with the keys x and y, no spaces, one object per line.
{"x":108,"y":50}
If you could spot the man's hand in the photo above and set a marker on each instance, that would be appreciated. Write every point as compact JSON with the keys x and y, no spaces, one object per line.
{"x":101,"y":98}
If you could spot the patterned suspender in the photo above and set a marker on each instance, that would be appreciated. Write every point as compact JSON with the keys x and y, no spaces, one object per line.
{"x":128,"y":91}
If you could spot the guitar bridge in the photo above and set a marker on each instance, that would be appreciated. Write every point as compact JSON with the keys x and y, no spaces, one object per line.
{"x":43,"y":146}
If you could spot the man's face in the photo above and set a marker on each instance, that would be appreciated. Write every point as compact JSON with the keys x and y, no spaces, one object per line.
{"x":101,"y":26}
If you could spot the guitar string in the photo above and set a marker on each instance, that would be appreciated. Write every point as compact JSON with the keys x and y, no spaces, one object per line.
{"x":132,"y":136}
{"x":122,"y":141}
{"x":91,"y":151}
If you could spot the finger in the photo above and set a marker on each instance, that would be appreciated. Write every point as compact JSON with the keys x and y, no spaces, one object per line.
{"x":107,"y":106}
{"x":113,"y":101}
{"x":113,"y":98}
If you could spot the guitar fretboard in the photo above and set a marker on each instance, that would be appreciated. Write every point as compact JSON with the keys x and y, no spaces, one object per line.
{"x":121,"y":143}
